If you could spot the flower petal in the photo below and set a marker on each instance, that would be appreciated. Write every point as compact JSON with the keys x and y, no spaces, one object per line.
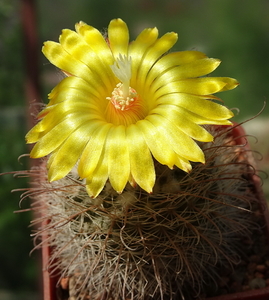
{"x":92,"y":152}
{"x":179,"y":141}
{"x":74,"y":100}
{"x":162,"y":45}
{"x":76,"y":46}
{"x":118,"y":37}
{"x":182,"y":120}
{"x":197,"y":104}
{"x":174,"y":59}
{"x":195,"y":86}
{"x":56,"y":54}
{"x":56,"y":115}
{"x":157,"y":143}
{"x":96,"y":181}
{"x":141,"y":163}
{"x":74,"y":83}
{"x":95,"y":39}
{"x":57,"y":135}
{"x":231,"y":83}
{"x":183,"y":164}
{"x":138,"y":48}
{"x":67,"y":155}
{"x":118,"y":158}
{"x":193,"y":69}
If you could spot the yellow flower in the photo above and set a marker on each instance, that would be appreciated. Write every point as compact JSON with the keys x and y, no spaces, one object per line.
{"x":123,"y":103}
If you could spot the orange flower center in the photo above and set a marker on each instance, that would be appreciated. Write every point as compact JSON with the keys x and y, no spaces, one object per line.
{"x":125,"y":105}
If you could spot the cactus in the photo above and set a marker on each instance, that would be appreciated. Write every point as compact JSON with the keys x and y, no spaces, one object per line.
{"x":169,"y":244}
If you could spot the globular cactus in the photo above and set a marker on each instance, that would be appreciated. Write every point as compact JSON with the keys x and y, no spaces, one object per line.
{"x":169,"y":244}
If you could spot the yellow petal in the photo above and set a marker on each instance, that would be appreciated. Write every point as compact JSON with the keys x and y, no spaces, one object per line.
{"x":51,"y":157}
{"x":157,"y":143}
{"x":57,"y":135}
{"x":179,"y":141}
{"x":69,"y":152}
{"x":138,"y":48}
{"x":95,"y":39}
{"x":34,"y":134}
{"x":183,"y":164}
{"x":71,"y":100}
{"x":231,"y":83}
{"x":141,"y":163}
{"x":196,"y":86}
{"x":96,"y":181}
{"x":174,"y":59}
{"x":57,"y":114}
{"x":182,"y":119}
{"x":73,"y":83}
{"x":93,"y":150}
{"x":197,"y":104}
{"x":118,"y":37}
{"x":193,"y":69}
{"x":56,"y":54}
{"x":118,"y":158}
{"x":46,"y":124}
{"x":162,"y":45}
{"x":76,"y":46}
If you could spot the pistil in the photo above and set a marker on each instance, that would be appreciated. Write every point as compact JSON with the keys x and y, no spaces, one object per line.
{"x":123,"y":96}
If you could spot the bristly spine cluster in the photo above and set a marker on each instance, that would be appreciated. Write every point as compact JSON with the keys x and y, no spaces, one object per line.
{"x":141,"y":246}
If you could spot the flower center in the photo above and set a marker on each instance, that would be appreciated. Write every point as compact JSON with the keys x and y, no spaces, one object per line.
{"x":123,"y":96}
{"x":122,"y":100}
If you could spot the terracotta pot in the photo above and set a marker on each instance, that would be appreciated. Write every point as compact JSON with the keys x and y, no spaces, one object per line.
{"x":52,"y":292}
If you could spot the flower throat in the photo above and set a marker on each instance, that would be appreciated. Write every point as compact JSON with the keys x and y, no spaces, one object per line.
{"x":123,"y":96}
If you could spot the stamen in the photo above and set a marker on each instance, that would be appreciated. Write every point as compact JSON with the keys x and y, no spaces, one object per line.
{"x":123,"y":95}
{"x":119,"y":100}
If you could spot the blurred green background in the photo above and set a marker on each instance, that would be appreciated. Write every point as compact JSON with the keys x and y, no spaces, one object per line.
{"x":237,"y":32}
